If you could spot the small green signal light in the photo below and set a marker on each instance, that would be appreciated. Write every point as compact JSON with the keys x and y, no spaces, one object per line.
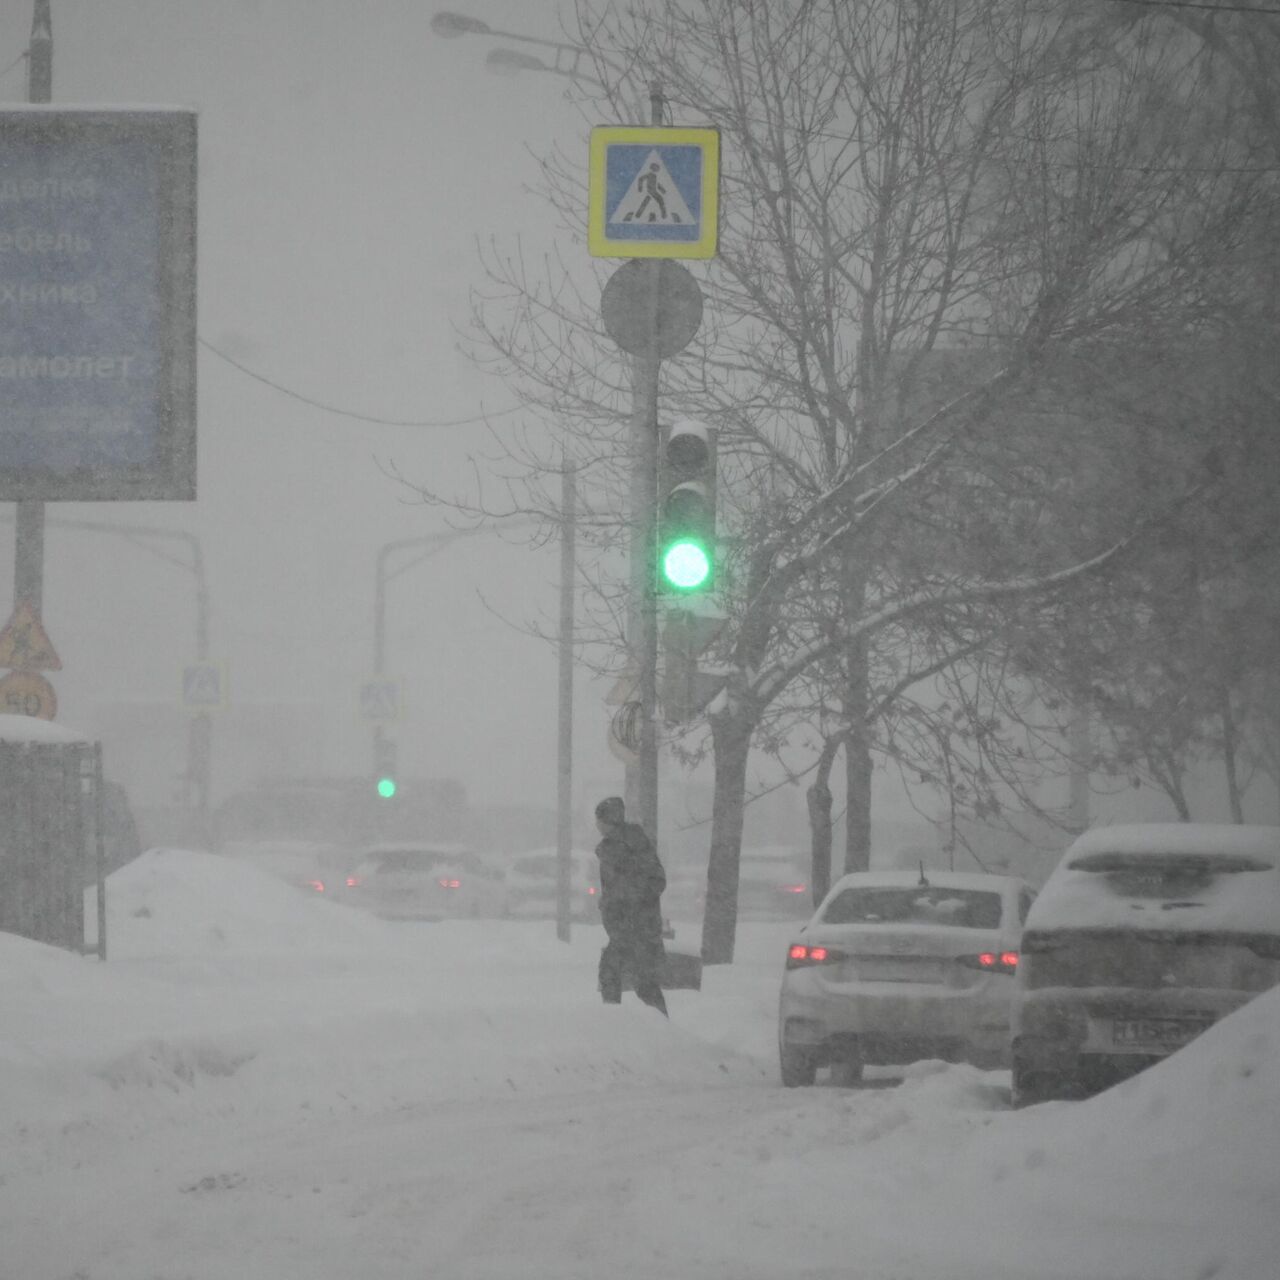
{"x":685,"y":565}
{"x":386,"y":787}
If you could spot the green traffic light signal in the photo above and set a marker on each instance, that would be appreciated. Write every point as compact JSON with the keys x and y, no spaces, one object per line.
{"x":686,"y":510}
{"x":386,"y":787}
{"x":685,"y":565}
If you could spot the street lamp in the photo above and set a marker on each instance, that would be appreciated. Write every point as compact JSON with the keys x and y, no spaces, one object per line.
{"x":430,"y":545}
{"x":567,"y":60}
{"x":450,"y":25}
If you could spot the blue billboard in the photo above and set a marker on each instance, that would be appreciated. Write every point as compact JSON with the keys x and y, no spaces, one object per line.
{"x":97,"y":304}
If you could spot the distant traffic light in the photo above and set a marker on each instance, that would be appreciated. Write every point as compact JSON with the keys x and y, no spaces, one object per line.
{"x":384,"y":767}
{"x":687,"y":509}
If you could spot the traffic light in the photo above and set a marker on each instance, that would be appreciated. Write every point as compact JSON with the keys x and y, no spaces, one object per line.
{"x":384,"y":767}
{"x":687,"y":509}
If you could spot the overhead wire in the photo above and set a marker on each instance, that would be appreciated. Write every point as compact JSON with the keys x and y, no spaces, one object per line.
{"x":1202,"y":4}
{"x":353,"y":413}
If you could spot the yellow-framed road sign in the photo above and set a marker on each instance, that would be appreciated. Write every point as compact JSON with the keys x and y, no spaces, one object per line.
{"x":653,"y":192}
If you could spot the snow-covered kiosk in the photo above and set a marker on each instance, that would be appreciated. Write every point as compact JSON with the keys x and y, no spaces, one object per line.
{"x":51,"y":846}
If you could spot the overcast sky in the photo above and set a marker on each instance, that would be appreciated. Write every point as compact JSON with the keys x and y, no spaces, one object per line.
{"x":348,"y":160}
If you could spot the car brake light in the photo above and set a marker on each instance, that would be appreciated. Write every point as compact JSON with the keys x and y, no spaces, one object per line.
{"x":991,"y":961}
{"x":800,"y":956}
{"x":445,"y":883}
{"x":591,"y":891}
{"x":794,"y":888}
{"x":317,"y":885}
{"x":354,"y":882}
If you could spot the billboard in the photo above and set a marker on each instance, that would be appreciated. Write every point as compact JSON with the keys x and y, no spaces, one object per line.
{"x":97,"y":304}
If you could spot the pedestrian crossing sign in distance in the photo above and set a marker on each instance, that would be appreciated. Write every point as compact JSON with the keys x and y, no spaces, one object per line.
{"x":653,"y":192}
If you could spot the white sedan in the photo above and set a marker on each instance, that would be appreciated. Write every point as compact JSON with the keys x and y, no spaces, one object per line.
{"x":422,"y":880}
{"x":897,"y":966}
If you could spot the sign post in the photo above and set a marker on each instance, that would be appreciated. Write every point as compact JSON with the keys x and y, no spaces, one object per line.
{"x":653,"y":193}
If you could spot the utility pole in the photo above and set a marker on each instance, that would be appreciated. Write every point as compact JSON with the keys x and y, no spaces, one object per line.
{"x":564,"y":737}
{"x":642,"y":777}
{"x":28,"y":543}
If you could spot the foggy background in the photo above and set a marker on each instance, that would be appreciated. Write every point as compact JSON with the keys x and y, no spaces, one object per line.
{"x":349,"y":161}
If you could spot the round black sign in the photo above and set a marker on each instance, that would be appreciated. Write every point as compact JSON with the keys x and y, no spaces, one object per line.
{"x":637,"y":318}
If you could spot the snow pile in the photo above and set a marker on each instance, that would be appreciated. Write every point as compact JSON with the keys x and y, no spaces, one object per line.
{"x":261,"y":1083}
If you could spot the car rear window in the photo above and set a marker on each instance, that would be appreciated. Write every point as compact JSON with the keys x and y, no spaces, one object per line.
{"x":1164,"y":875}
{"x":961,"y":908}
{"x":416,"y":860}
{"x":543,"y":865}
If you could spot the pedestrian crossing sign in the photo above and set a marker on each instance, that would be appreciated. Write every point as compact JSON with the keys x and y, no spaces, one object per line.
{"x":653,"y":193}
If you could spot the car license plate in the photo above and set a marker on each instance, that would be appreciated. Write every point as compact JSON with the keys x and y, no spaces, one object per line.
{"x":1153,"y":1035}
{"x":895,"y":969}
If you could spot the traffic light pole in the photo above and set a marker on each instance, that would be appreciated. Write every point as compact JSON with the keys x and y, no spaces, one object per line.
{"x":642,"y":777}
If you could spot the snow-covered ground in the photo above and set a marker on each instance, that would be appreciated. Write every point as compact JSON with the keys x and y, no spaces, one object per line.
{"x":259,"y":1085}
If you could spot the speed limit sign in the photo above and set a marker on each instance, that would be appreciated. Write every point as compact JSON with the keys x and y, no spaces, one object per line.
{"x":27,"y":693}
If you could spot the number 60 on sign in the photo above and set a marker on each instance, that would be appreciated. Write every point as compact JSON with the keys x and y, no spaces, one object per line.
{"x":27,"y":693}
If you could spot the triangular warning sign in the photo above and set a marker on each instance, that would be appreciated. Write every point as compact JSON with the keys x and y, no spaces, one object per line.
{"x":23,"y":643}
{"x":652,"y":197}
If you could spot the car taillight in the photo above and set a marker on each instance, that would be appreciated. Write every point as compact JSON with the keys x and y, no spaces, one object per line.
{"x":317,"y":885}
{"x":591,"y":891}
{"x":991,"y":961}
{"x":794,"y":888}
{"x":800,"y":956}
{"x":445,"y":883}
{"x":354,"y":882}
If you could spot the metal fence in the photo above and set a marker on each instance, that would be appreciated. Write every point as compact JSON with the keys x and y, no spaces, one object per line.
{"x":51,"y":842}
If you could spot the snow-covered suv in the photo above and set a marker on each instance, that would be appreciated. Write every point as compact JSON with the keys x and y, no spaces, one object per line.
{"x":1143,"y":936}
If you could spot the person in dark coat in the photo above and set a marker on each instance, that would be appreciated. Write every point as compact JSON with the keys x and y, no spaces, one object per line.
{"x":631,"y":885}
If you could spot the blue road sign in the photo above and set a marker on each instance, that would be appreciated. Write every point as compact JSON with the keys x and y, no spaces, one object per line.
{"x":653,"y":193}
{"x":97,"y":303}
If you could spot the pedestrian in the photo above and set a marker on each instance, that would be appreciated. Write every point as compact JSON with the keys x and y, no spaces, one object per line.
{"x":631,"y":885}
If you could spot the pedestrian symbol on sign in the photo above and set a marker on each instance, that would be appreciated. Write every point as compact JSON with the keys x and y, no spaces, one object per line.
{"x":380,"y":699}
{"x":652,"y":197}
{"x":203,"y":688}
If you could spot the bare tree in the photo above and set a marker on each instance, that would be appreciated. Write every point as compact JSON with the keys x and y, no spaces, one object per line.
{"x":928,"y":207}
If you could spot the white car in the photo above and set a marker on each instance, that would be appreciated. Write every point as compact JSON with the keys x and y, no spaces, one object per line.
{"x":423,"y":880}
{"x":532,"y":886}
{"x":317,"y":868}
{"x":896,"y":966}
{"x":1144,"y":935}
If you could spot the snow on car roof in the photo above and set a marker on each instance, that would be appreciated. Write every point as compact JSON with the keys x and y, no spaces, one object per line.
{"x":1209,"y":838}
{"x":1221,"y":877}
{"x":935,"y":879}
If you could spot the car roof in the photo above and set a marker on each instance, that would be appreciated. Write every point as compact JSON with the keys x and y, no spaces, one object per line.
{"x":1208,"y":838}
{"x":551,"y":851}
{"x":935,"y":880}
{"x":1236,"y":900}
{"x":413,"y":846}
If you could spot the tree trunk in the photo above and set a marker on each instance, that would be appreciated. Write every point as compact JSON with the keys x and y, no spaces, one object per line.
{"x":818,"y":800}
{"x":857,"y":767}
{"x":731,"y":739}
{"x":857,"y":762}
{"x":1229,"y":737}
